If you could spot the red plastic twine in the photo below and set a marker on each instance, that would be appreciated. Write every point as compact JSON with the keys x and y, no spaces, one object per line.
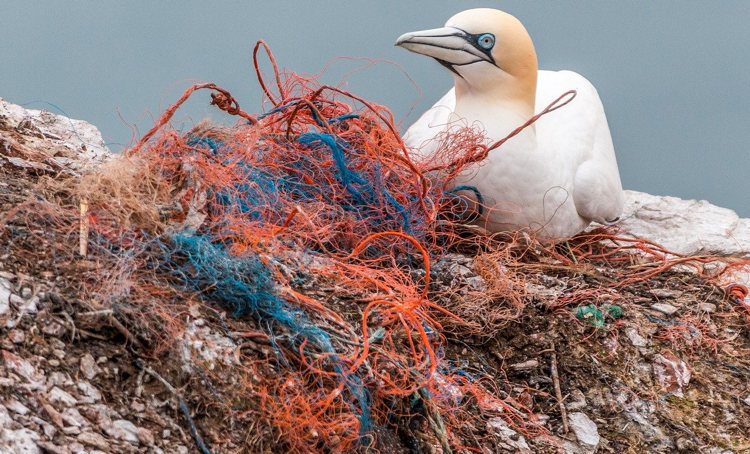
{"x":484,"y":150}
{"x":222,"y":99}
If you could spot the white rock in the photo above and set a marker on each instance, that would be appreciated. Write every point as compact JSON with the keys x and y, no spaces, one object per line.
{"x":73,"y":417}
{"x":747,"y":400}
{"x":577,"y":401}
{"x":685,"y":226}
{"x":89,"y":391}
{"x":16,"y":440}
{"x":88,"y":366}
{"x":708,"y":308}
{"x":5,"y":293}
{"x":585,"y":429}
{"x":5,"y":419}
{"x":94,"y":439}
{"x":635,"y":338}
{"x":23,"y":368}
{"x":41,"y":129}
{"x":60,"y":379}
{"x":201,"y":345}
{"x":664,"y":308}
{"x":57,"y":395}
{"x":17,"y":407}
{"x":666,"y":293}
{"x":124,"y":430}
{"x":526,"y":365}
{"x":508,"y":436}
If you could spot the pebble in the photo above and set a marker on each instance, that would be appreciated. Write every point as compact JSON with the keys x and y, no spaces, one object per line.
{"x":53,"y":329}
{"x":20,"y":366}
{"x":747,"y":400}
{"x":584,"y":428}
{"x":4,"y":296}
{"x":90,"y":393}
{"x":671,"y":373}
{"x":57,"y":395}
{"x":635,"y":338}
{"x":146,"y":437}
{"x":16,"y":336}
{"x":664,"y":308}
{"x":71,"y":430}
{"x":526,"y":365}
{"x":507,"y":437}
{"x":88,"y":366}
{"x":137,"y":406}
{"x":48,"y":429}
{"x":73,"y":417}
{"x":709,"y":308}
{"x":578,"y":401}
{"x":666,"y":293}
{"x":124,"y":430}
{"x":59,"y":379}
{"x":53,"y":415}
{"x":17,"y":407}
{"x":93,"y":439}
{"x":26,"y":293}
{"x":50,"y":448}
{"x":16,"y":300}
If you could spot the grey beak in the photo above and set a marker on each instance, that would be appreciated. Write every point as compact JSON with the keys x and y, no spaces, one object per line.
{"x":448,"y":45}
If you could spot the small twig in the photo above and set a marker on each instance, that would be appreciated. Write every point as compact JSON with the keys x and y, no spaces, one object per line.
{"x":116,"y":324}
{"x":558,"y":392}
{"x":181,"y":403}
{"x":71,"y":323}
{"x":124,"y":331}
{"x":95,"y":313}
{"x":83,"y":246}
{"x":83,"y":332}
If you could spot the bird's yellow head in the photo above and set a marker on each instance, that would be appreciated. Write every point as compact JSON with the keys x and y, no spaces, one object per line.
{"x":486,"y":49}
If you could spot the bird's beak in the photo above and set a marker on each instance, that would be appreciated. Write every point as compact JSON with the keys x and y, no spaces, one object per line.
{"x":448,"y":45}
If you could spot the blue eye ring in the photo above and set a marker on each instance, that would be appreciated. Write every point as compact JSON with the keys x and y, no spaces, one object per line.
{"x":486,"y":41}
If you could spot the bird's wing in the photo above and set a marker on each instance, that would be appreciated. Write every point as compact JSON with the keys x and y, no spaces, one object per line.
{"x":421,"y":136}
{"x":579,"y":136}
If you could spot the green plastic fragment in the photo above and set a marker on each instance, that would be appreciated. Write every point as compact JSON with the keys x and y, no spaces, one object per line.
{"x":593,"y":315}
{"x":614,"y":311}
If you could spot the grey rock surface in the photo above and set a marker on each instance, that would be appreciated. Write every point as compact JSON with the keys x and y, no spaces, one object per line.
{"x":685,"y":226}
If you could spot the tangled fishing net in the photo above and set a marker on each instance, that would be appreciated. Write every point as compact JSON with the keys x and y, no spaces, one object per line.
{"x":309,"y":236}
{"x":320,"y":187}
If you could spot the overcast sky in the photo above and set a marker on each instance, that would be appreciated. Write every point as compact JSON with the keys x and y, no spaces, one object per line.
{"x":674,"y":76}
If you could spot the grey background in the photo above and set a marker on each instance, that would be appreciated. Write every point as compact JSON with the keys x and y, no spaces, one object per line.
{"x":674,"y":75}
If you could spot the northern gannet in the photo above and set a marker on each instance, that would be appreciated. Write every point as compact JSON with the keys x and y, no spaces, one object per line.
{"x":556,"y":176}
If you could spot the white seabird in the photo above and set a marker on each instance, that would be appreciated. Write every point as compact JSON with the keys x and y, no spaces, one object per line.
{"x":556,"y":176}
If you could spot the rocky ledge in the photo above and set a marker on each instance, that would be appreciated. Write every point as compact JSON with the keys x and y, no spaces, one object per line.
{"x":669,"y":374}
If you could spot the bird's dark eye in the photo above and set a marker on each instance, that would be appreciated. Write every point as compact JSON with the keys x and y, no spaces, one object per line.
{"x":486,"y":41}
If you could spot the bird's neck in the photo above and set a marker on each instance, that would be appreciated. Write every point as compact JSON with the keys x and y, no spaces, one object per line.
{"x":517,"y":92}
{"x":501,"y":105}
